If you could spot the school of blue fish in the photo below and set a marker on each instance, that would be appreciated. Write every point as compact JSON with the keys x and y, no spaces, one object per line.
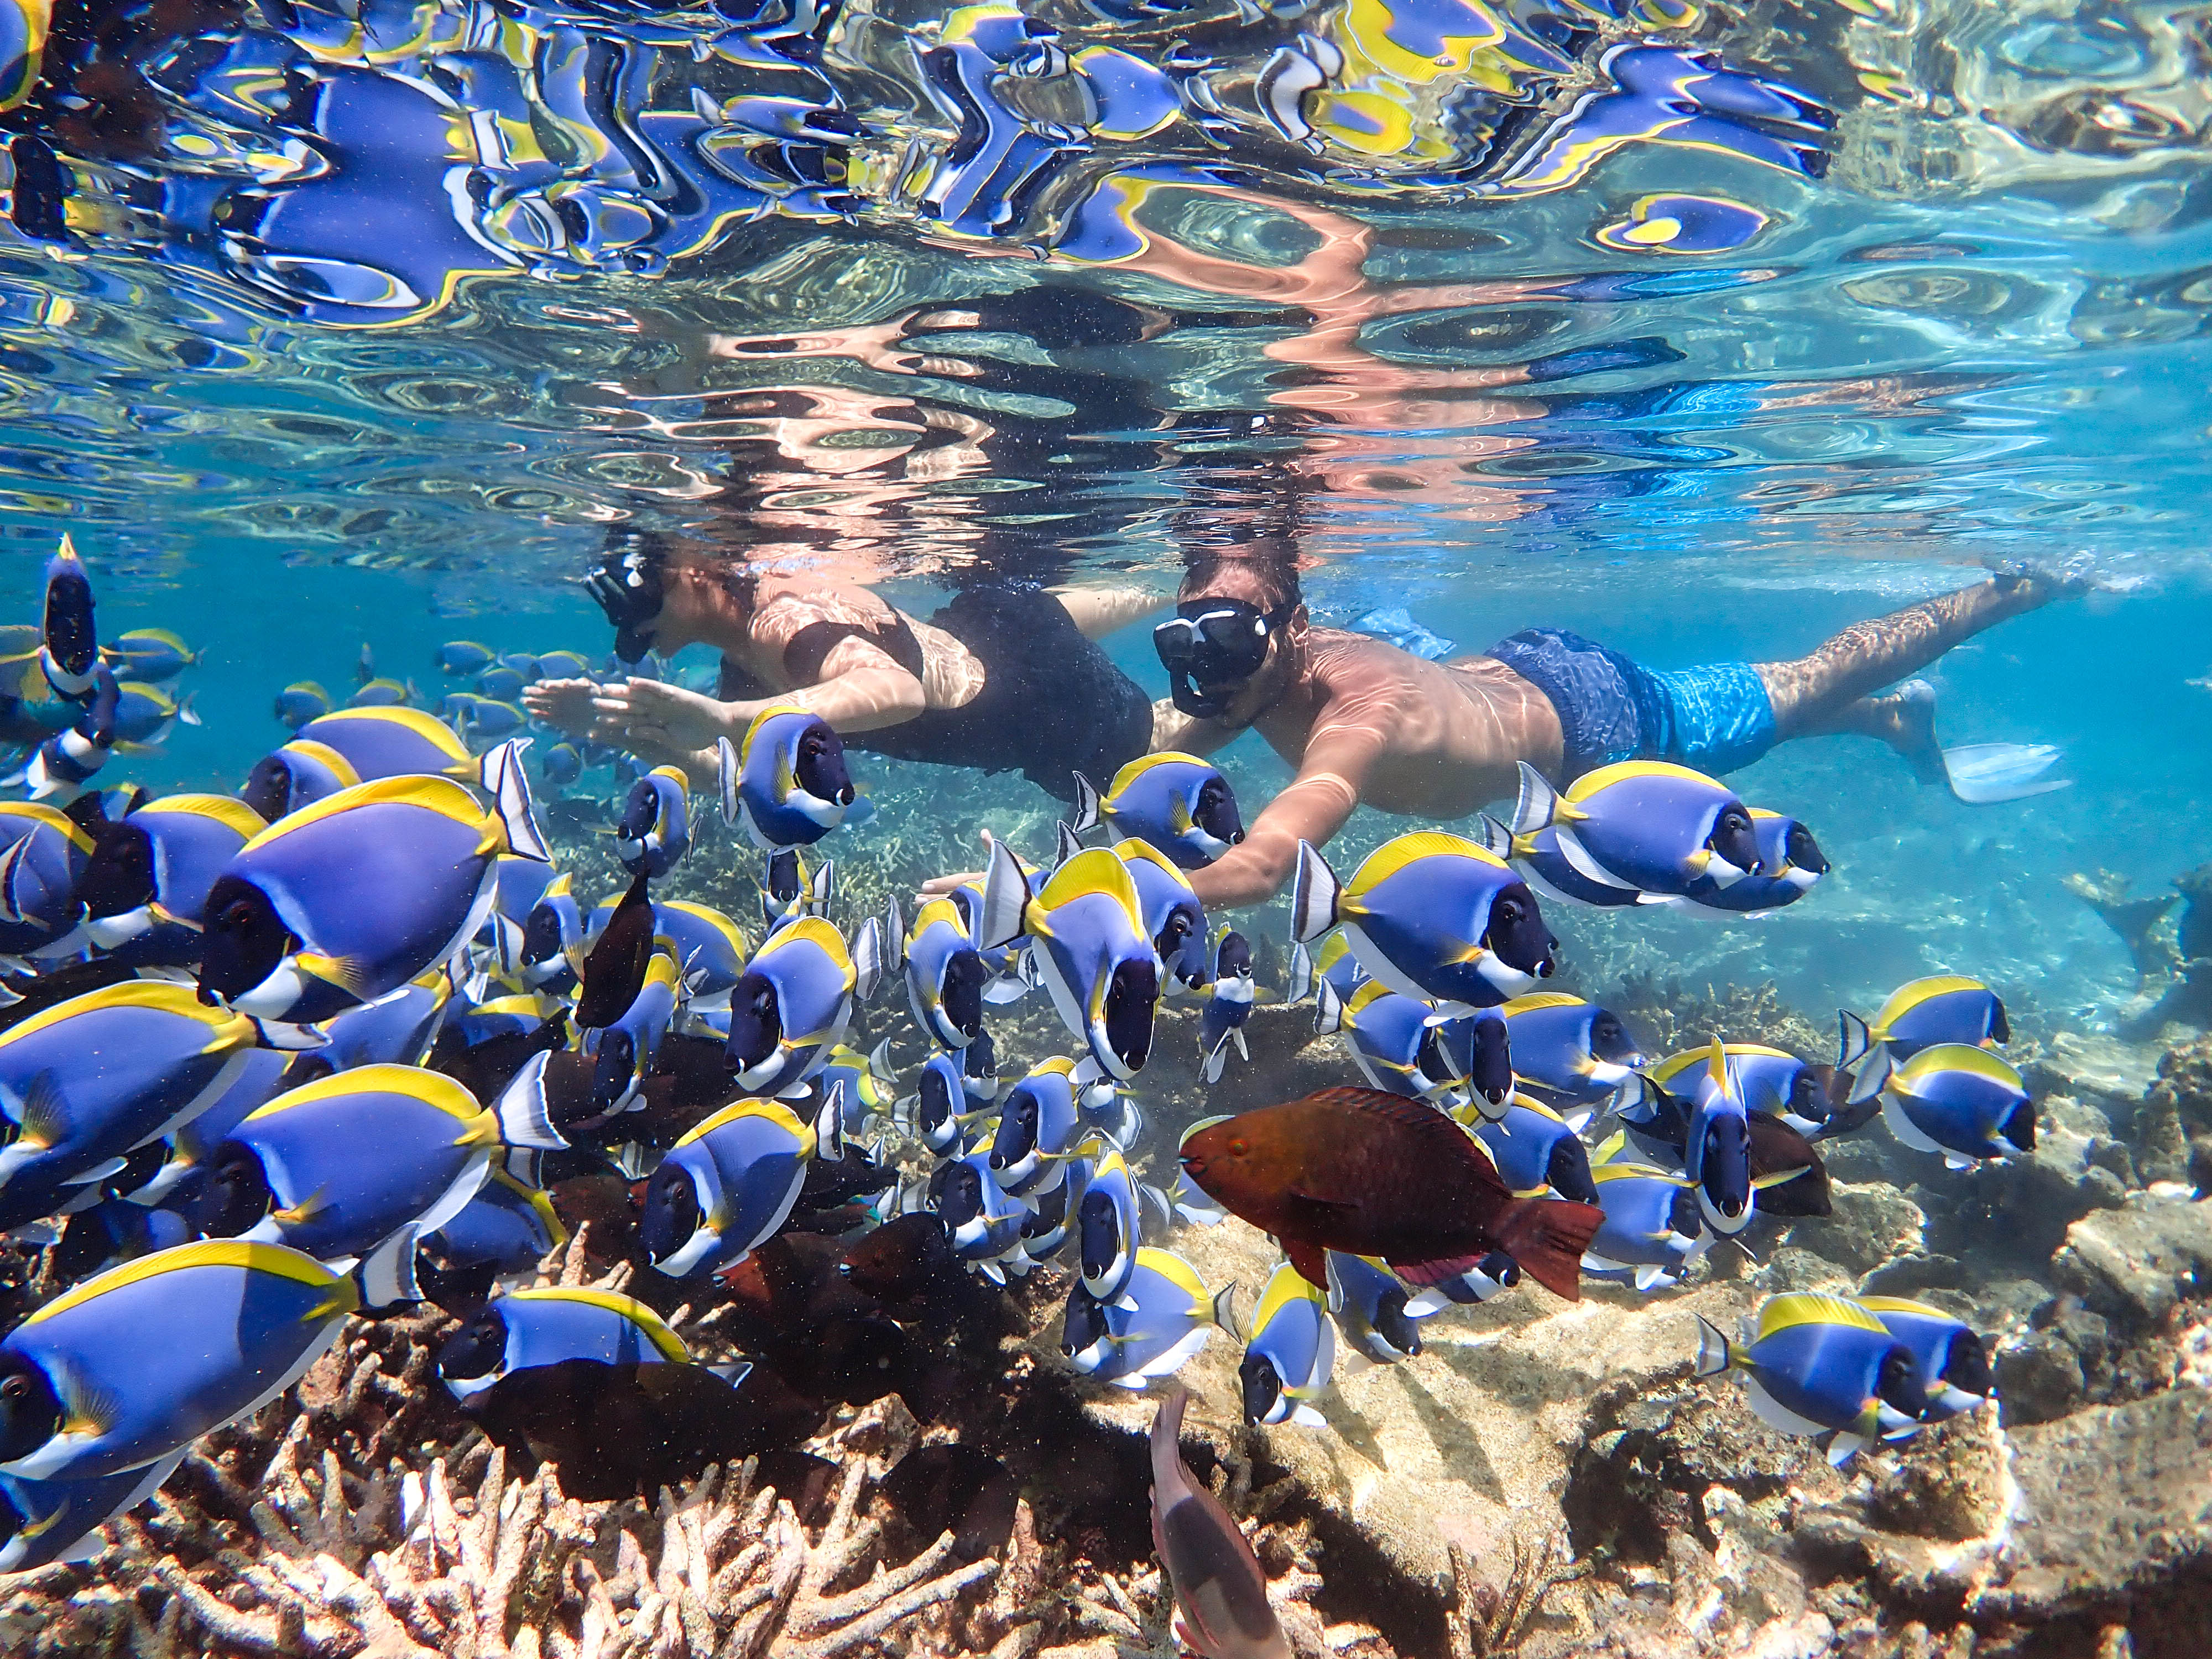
{"x":274,"y":1060}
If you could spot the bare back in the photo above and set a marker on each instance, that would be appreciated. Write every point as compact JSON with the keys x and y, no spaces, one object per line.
{"x":1367,"y":722}
{"x":785,"y":607}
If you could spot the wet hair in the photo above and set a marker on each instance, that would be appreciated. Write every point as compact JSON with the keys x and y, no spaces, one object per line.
{"x":1274,"y":570}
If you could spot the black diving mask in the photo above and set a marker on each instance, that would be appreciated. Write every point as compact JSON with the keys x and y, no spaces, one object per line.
{"x":1210,"y":646}
{"x":627,"y":585}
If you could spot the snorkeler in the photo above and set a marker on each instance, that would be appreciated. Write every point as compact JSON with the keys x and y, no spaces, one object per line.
{"x":1004,"y":677}
{"x":1361,"y":719}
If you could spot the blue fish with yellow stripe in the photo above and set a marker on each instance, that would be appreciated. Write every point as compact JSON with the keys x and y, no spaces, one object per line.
{"x":1819,"y":1365}
{"x":728,"y":1184}
{"x":792,"y":1005}
{"x":1790,"y":863}
{"x":1159,"y":1320}
{"x":145,"y":889}
{"x":788,"y":783}
{"x":1955,"y":1362}
{"x":1649,"y":827}
{"x":1039,"y":1123}
{"x":89,"y":1079}
{"x":1290,"y":1354}
{"x":1940,"y":1008}
{"x":654,"y":831}
{"x":1395,"y":1040}
{"x":1228,"y":1004}
{"x":623,"y":1053}
{"x":1369,"y":1304}
{"x":1173,"y":918}
{"x":149,"y":655}
{"x":1176,"y":803}
{"x":1537,"y":1151}
{"x":343,"y":1165}
{"x":945,"y":973}
{"x":508,"y":1227}
{"x":134,"y":1365}
{"x":1652,"y":1234}
{"x":354,"y":896}
{"x":297,"y":774}
{"x":1436,"y":917}
{"x":1572,"y":1051}
{"x":301,"y":701}
{"x":551,"y":1326}
{"x":1091,"y":946}
{"x":1962,"y":1101}
{"x":982,"y":1219}
{"x":45,"y":855}
{"x":391,"y":742}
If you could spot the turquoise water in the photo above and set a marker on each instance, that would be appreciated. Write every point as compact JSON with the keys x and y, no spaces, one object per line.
{"x":1704,"y":331}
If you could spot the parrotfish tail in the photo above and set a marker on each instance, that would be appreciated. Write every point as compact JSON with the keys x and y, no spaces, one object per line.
{"x":1069,"y":844}
{"x":1314,"y":895}
{"x":1538,"y":805}
{"x":1086,"y":806}
{"x":726,"y":778}
{"x":386,"y":1277}
{"x":1167,"y":1454}
{"x":1547,"y":1237}
{"x":1713,"y":1356}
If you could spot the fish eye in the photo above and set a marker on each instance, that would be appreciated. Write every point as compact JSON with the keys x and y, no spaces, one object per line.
{"x":1238,"y":1147}
{"x":14,"y":1387}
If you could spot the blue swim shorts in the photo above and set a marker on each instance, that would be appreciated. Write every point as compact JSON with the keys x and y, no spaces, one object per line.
{"x":1715,"y":718}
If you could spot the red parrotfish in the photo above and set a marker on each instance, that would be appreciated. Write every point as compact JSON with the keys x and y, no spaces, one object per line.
{"x":1221,"y":1594}
{"x":1375,"y":1174}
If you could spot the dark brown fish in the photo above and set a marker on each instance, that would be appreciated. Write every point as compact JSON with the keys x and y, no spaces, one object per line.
{"x":1220,"y":1593}
{"x":1374,"y":1174}
{"x":614,"y":973}
{"x":1787,"y":1168}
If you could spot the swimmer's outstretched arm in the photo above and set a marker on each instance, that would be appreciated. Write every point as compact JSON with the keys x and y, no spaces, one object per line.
{"x":1175,"y":732}
{"x":862,"y":688}
{"x":1312,"y":809}
{"x":1098,"y":611}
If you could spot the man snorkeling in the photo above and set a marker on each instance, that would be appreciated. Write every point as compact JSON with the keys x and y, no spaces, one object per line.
{"x":1005,"y":677}
{"x":1361,"y":719}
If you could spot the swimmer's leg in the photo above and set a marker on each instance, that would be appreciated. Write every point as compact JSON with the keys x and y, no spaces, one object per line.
{"x":1904,"y":719}
{"x":1831,"y":688}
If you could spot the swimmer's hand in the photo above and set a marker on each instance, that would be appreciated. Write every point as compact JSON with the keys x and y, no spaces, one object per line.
{"x":938,"y":886}
{"x":667,"y":717}
{"x":566,"y":704}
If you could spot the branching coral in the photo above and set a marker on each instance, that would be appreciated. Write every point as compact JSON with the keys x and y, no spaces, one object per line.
{"x":317,"y":1554}
{"x":1492,"y":1623}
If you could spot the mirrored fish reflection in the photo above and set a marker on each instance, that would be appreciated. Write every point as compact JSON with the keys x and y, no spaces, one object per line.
{"x":357,"y":168}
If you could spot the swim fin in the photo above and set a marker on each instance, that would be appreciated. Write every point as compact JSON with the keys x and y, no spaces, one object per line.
{"x":1981,"y":774}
